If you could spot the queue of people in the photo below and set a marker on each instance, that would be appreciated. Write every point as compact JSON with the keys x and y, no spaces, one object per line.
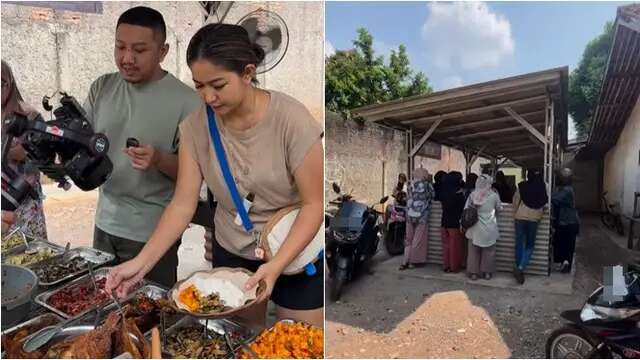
{"x":474,"y":248}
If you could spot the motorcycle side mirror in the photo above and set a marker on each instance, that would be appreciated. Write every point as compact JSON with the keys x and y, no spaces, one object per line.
{"x":336,"y":188}
{"x":384,"y":199}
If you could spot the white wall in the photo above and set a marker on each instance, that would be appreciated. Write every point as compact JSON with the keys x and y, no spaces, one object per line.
{"x":622,"y":168}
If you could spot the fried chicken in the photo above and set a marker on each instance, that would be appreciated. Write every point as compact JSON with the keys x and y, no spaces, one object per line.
{"x":95,"y":344}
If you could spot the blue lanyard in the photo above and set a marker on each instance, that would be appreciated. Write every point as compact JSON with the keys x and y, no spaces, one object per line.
{"x":226,"y":171}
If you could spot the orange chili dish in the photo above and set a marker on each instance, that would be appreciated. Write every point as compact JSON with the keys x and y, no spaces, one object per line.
{"x":289,"y":341}
{"x":190,"y":298}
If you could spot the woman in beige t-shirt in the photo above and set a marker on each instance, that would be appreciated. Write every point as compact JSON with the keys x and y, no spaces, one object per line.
{"x":274,"y":150}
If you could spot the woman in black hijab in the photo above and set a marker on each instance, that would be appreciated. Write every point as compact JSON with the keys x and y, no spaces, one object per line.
{"x":470,"y":184}
{"x":438,"y":184}
{"x":453,"y":201}
{"x":528,"y":204}
{"x":502,"y":187}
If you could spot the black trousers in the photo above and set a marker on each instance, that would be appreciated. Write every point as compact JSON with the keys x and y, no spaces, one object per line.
{"x":164,"y":273}
{"x":564,"y":243}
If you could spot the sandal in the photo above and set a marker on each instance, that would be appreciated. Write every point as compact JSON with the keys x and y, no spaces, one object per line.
{"x":403,"y":267}
{"x":487,"y":276}
{"x":474,"y":277}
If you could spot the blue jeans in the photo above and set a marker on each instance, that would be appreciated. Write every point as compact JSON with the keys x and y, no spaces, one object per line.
{"x":525,"y":241}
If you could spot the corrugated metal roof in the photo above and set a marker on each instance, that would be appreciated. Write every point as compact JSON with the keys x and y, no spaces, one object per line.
{"x":474,"y":116}
{"x":621,"y":85}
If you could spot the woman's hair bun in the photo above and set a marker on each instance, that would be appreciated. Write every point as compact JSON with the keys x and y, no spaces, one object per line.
{"x":259,"y":52}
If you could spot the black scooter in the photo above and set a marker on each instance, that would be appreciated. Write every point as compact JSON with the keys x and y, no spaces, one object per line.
{"x":352,"y":239}
{"x":602,"y":329}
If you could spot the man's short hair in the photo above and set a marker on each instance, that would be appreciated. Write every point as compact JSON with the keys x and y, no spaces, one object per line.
{"x":146,"y":17}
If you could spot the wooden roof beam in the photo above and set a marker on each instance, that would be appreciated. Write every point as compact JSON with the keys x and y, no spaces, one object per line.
{"x":476,"y":110}
{"x":526,"y":125}
{"x":454,"y":128}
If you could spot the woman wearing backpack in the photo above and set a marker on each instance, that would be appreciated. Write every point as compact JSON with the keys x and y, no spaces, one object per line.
{"x":484,"y":233}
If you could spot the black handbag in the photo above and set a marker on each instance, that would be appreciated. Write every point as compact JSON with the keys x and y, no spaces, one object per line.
{"x":469,"y":216}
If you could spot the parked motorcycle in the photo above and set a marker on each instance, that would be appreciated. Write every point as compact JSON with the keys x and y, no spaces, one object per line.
{"x":602,"y":328}
{"x":395,"y":227}
{"x":352,"y":239}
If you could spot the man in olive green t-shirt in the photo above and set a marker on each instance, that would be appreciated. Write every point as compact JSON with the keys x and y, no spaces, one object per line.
{"x":144,"y":102}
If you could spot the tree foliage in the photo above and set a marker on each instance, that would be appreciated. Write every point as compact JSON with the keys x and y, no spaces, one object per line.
{"x":359,"y":77}
{"x":586,"y":80}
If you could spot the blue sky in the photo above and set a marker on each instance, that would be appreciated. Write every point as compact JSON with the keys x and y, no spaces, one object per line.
{"x":464,"y":43}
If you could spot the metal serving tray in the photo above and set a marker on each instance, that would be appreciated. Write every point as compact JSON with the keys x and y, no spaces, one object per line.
{"x":43,"y":298}
{"x":238,"y":333}
{"x":16,"y":248}
{"x":97,"y":257}
{"x":34,"y":245}
{"x":285,"y":321}
{"x":71,"y":331}
{"x":55,"y":319}
{"x":153,"y":291}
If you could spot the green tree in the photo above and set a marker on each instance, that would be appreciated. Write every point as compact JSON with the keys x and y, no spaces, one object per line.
{"x":359,"y":77}
{"x":586,"y":80}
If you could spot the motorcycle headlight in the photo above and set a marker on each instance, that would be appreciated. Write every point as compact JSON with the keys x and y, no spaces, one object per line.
{"x":591,"y":312}
{"x":337,"y":235}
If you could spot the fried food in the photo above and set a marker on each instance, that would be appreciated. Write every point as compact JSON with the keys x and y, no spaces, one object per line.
{"x":197,"y":302}
{"x":289,"y":341}
{"x":76,"y":299}
{"x":12,"y":342}
{"x":53,"y":272}
{"x":188,"y":343}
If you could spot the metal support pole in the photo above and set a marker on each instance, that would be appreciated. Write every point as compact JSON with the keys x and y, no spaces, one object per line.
{"x":552,"y":145}
{"x":410,"y":159}
{"x":494,"y":168}
{"x":546,"y":134}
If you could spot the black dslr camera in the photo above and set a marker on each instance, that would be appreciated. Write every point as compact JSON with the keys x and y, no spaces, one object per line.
{"x":63,"y":148}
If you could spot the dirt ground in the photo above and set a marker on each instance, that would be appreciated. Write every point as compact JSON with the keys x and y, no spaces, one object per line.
{"x":70,"y":216}
{"x":392,"y":314}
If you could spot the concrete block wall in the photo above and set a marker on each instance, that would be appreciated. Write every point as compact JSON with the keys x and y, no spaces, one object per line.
{"x":53,"y":49}
{"x":356,"y":155}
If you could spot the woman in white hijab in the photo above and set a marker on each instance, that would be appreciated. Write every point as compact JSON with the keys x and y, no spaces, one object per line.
{"x":484,"y":234}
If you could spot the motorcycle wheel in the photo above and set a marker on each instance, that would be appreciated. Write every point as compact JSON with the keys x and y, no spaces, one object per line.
{"x":570,"y":342}
{"x":394,"y":242}
{"x":337,"y":283}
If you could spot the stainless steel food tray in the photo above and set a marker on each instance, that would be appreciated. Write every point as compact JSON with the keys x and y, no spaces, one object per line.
{"x":43,"y":298}
{"x":239,"y":333}
{"x":73,"y":331}
{"x":16,"y":248}
{"x":35,"y":245}
{"x":97,"y":257}
{"x":285,"y":321}
{"x":153,"y":291}
{"x":57,"y":319}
